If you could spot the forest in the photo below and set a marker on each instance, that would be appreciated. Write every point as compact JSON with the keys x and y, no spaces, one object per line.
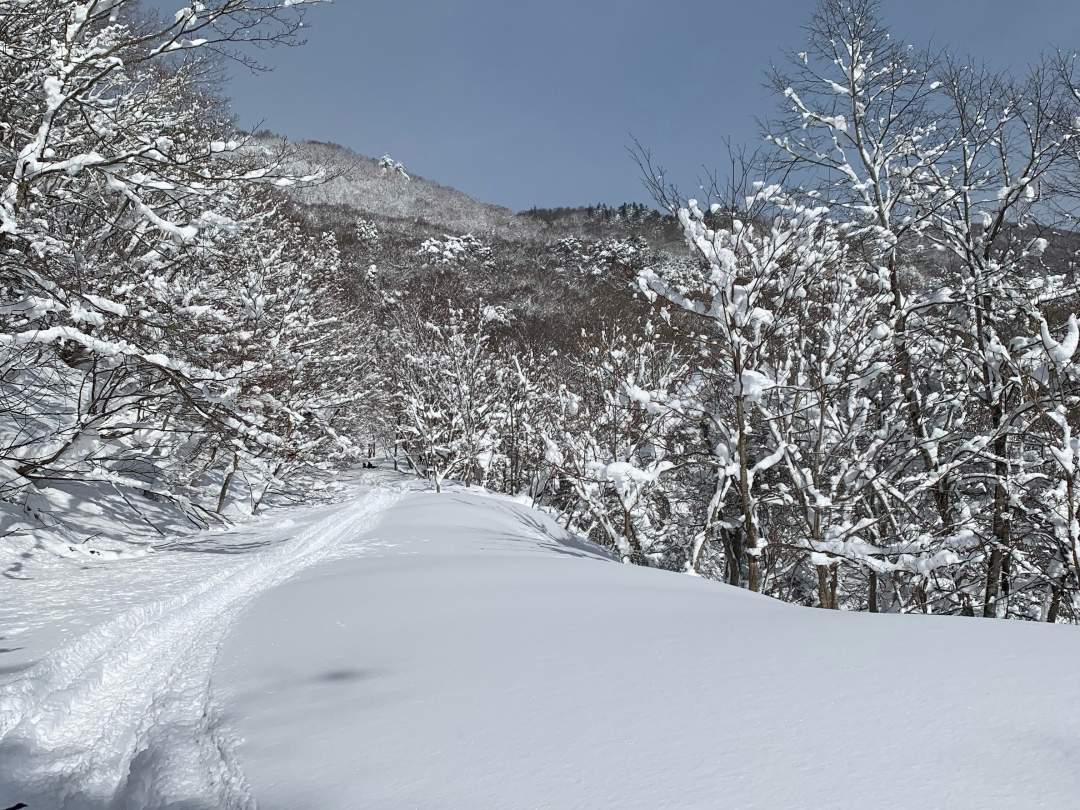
{"x":843,"y":374}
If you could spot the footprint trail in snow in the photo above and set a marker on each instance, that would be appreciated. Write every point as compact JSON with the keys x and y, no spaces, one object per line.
{"x":124,"y":717}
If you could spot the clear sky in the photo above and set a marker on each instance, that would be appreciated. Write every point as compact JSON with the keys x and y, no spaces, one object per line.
{"x":533,"y":102}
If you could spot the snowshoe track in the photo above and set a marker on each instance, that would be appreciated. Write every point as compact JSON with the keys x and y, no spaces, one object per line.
{"x":124,"y":717}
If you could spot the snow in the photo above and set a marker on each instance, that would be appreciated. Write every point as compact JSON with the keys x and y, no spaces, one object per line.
{"x":1062,"y":352}
{"x":123,"y":716}
{"x":753,"y":385}
{"x":408,"y":649}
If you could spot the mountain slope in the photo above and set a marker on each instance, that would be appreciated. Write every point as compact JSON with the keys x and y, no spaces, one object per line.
{"x":359,"y":183}
{"x":362,"y":186}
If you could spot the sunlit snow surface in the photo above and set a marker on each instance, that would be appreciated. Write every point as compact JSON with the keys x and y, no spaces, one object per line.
{"x":484,"y":661}
{"x":461,"y":651}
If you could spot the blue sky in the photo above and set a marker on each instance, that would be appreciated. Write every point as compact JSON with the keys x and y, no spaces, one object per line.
{"x":524,"y":102}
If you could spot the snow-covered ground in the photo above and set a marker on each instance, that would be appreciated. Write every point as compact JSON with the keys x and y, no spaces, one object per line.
{"x":410,"y":650}
{"x":105,"y":681}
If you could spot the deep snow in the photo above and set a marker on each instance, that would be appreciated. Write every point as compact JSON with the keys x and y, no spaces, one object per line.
{"x":464,"y":652}
{"x":488,"y":661}
{"x":124,"y":715}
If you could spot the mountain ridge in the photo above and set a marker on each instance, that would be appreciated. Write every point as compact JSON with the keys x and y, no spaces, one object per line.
{"x":367,"y":186}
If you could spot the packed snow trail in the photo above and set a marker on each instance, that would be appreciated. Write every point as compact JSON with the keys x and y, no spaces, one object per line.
{"x":124,"y":717}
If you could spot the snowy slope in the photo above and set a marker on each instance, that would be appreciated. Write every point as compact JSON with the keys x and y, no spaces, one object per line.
{"x":485,"y":660}
{"x":359,"y":183}
{"x":462,"y":651}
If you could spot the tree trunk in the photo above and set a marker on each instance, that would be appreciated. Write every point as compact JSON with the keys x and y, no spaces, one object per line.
{"x":823,"y":586}
{"x":995,"y":570}
{"x":227,"y":483}
{"x":753,"y":573}
{"x":921,"y":599}
{"x":749,"y":529}
{"x":1055,"y":602}
{"x":732,"y":558}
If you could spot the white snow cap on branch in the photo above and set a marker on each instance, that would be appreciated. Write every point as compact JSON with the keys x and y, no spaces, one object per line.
{"x":1061,"y":353}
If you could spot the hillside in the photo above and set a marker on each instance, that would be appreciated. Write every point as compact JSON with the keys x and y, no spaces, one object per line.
{"x":405,"y":649}
{"x":361,"y":186}
{"x":358,"y":183}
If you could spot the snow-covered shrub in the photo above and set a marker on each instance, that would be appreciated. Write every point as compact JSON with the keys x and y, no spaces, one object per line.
{"x":454,"y":249}
{"x":615,"y":439}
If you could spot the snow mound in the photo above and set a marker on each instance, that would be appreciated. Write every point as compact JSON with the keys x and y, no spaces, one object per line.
{"x":466,"y":651}
{"x":486,"y":659}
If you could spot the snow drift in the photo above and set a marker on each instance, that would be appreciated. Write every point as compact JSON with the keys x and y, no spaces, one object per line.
{"x":483,"y":658}
{"x":462,"y":650}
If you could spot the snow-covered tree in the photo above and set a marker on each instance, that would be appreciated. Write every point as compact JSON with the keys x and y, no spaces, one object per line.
{"x":123,"y":178}
{"x":616,"y":435}
{"x":450,"y":393}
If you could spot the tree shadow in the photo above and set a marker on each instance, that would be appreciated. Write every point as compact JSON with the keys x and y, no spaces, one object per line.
{"x":345,"y":675}
{"x":550,"y":536}
{"x":202,"y":545}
